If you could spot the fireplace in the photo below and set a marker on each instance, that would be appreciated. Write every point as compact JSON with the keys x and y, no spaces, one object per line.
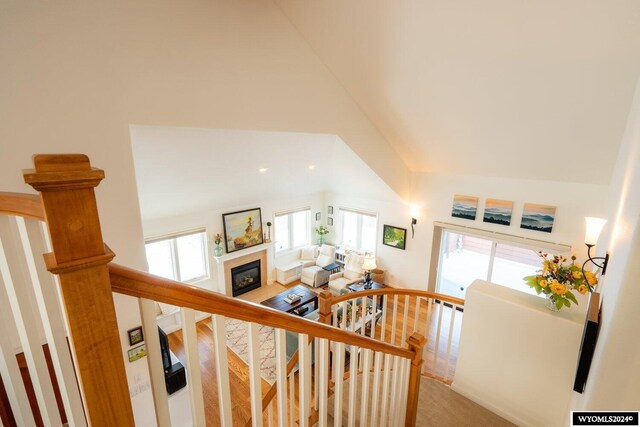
{"x":245,"y":278}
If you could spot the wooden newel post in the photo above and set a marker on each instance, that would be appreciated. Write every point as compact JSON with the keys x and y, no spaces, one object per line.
{"x":416,"y":343}
{"x":80,"y":258}
{"x":324,"y":312}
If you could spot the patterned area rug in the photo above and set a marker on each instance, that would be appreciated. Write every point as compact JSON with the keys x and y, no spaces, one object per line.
{"x":238,"y":342}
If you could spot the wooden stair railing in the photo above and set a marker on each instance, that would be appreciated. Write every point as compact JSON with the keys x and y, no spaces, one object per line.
{"x":87,"y":279}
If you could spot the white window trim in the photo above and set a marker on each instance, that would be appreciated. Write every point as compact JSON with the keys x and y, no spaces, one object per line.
{"x":359,"y":228}
{"x":290,"y":212}
{"x":174,"y":251}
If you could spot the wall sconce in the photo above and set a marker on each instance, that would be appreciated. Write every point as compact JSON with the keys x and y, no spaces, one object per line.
{"x":413,"y":222}
{"x":594,"y":227}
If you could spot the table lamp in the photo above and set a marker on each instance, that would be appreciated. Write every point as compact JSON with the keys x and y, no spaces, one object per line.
{"x":368,"y":265}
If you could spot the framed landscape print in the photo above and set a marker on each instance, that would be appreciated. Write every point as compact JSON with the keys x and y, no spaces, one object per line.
{"x":135,"y":335}
{"x":242,"y":229}
{"x":538,"y":217}
{"x":394,"y":236}
{"x":498,"y":211}
{"x":464,"y":207}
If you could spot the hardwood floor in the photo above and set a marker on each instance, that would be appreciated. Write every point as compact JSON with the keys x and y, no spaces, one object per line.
{"x":238,"y":370}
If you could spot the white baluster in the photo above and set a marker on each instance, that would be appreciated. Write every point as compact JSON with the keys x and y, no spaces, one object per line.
{"x":366,"y":368}
{"x":192,"y":357}
{"x":450,"y":340}
{"x":292,"y":397}
{"x":339,"y":380}
{"x":154,"y":362}
{"x":377,"y":367}
{"x":222,"y":368}
{"x":384,"y":401}
{"x":374,"y":316}
{"x":281,"y":375}
{"x":323,"y":379}
{"x":385,"y":309}
{"x":437,"y":344}
{"x":405,"y":317}
{"x":353,"y":383}
{"x":393,"y":411}
{"x":394,"y":319}
{"x":270,"y":414}
{"x":255,"y":381}
{"x":304,"y":374}
{"x":9,"y":369}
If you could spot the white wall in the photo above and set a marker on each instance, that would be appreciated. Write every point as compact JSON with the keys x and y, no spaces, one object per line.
{"x":433,"y":195}
{"x":615,"y":373}
{"x":212,"y":221}
{"x":76,"y":75}
{"x":516,"y":357}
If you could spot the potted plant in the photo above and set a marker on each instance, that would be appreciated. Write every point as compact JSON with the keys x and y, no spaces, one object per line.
{"x":268,"y":239}
{"x":557,"y":280}
{"x":321,"y":231}
{"x":217,"y":250}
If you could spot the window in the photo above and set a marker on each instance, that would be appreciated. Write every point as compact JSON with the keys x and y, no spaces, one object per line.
{"x":465,"y":256}
{"x":180,"y":257}
{"x":292,"y":229}
{"x":359,"y":230}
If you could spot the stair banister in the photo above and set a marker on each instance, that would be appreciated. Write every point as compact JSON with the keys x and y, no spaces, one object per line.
{"x":80,"y":258}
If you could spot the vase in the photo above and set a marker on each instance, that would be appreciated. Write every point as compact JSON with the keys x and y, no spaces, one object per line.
{"x":217,"y":251}
{"x":320,"y":239}
{"x":551,"y":304}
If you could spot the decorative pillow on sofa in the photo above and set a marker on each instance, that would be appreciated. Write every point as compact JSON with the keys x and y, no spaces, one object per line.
{"x":309,"y":252}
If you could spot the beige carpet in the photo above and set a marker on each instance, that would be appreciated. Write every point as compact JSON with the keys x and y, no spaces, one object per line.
{"x":438,"y":406}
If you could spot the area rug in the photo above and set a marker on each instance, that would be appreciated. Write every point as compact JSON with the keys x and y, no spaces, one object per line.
{"x":238,"y":342}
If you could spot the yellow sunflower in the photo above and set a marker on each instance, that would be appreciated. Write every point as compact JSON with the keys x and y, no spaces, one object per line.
{"x":558,"y":288}
{"x":582,"y":289}
{"x":543,"y":283}
{"x":591,"y":278}
{"x":577,"y":274}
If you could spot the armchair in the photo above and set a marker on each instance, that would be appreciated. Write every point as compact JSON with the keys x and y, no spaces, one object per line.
{"x":315,"y":275}
{"x":352,"y":273}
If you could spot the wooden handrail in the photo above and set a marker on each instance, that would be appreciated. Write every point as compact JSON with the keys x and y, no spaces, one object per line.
{"x":396,"y":291}
{"x":139,"y":284}
{"x":20,"y":204}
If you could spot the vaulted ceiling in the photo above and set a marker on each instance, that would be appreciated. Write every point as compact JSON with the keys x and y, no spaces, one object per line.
{"x":523,"y":89}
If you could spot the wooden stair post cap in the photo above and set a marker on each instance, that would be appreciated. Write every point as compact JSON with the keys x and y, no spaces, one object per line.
{"x":62,"y":172}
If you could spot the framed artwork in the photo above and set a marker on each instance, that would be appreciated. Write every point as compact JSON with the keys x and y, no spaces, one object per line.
{"x":538,"y":217}
{"x":395,"y":237}
{"x":498,"y":211}
{"x":317,"y":216}
{"x":135,"y":335}
{"x":242,"y":229}
{"x":137,"y":353}
{"x":330,"y":210}
{"x":330,"y":221}
{"x":465,"y":207}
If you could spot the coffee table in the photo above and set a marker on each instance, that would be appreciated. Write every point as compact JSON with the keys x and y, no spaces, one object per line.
{"x":359,"y":286}
{"x":278,"y":302}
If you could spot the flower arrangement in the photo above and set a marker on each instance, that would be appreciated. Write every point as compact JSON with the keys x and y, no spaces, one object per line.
{"x":558,"y":279}
{"x":322,"y":230}
{"x":217,"y":239}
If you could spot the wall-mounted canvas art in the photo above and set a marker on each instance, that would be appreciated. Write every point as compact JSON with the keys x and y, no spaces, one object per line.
{"x":464,"y":207}
{"x":242,"y":229}
{"x":498,"y":211}
{"x":394,"y":236}
{"x":538,"y":217}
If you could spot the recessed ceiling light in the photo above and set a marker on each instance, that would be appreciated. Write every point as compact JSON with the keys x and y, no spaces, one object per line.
{"x":312,"y":166}
{"x":262,"y":170}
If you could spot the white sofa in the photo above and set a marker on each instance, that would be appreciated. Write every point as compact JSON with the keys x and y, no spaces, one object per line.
{"x":315,"y":275}
{"x":352,"y":273}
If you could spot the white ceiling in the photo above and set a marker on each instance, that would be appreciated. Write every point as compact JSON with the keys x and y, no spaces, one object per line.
{"x":185,"y":170}
{"x":523,"y":89}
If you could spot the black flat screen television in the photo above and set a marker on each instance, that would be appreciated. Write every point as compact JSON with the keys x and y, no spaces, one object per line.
{"x":164,"y":350}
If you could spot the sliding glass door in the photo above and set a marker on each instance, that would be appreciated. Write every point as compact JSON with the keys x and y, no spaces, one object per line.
{"x":464,"y":258}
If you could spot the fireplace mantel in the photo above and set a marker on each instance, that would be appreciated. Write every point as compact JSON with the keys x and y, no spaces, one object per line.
{"x":222,"y":265}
